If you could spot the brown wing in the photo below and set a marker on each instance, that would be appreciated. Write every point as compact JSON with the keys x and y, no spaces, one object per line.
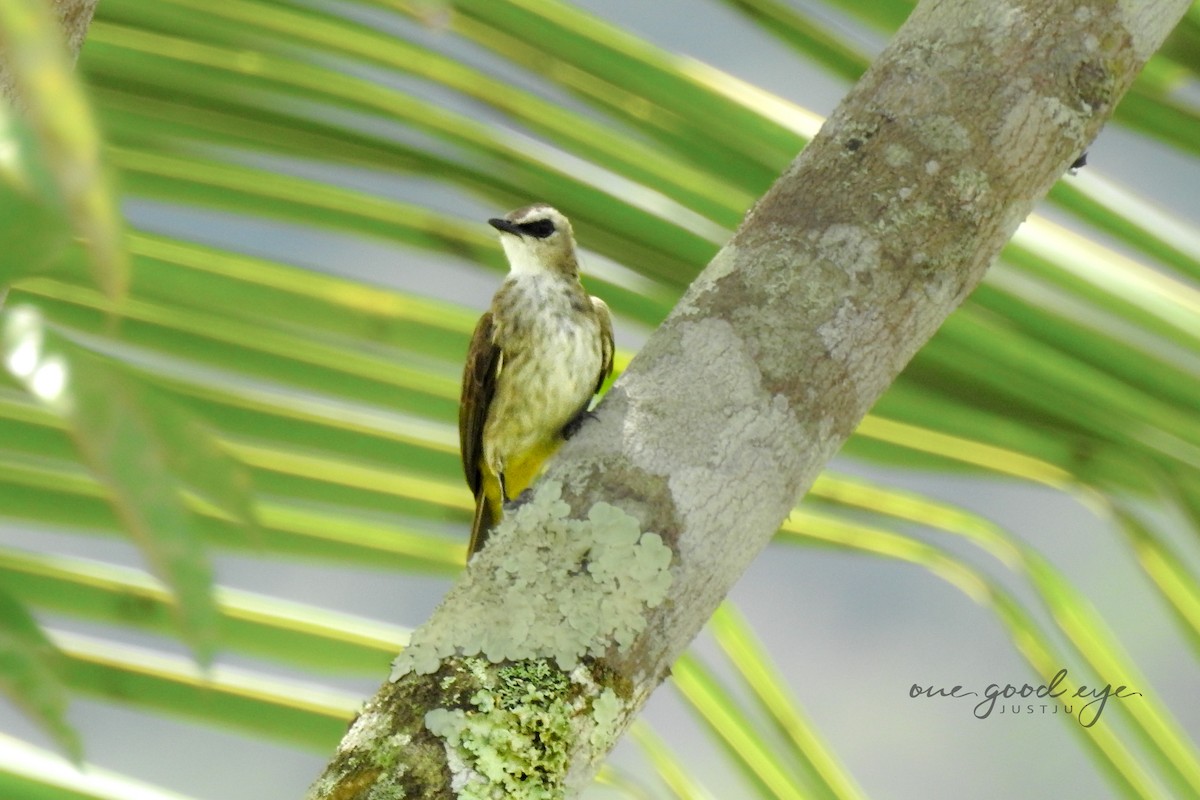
{"x":478,"y":387}
{"x":606,"y":340}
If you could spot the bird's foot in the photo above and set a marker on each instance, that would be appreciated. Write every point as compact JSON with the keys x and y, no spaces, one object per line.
{"x":518,"y":501}
{"x":572,"y":427}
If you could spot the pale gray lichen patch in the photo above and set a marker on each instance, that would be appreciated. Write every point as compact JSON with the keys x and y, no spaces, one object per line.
{"x":999,"y":23}
{"x":939,"y":286}
{"x":607,"y":718}
{"x":585,"y":586}
{"x":970,"y":184}
{"x":941,"y":133}
{"x":848,"y":337}
{"x":748,"y":430}
{"x":896,"y":155}
{"x":848,"y":247}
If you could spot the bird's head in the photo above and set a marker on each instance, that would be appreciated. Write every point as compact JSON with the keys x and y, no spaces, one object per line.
{"x":536,"y":239}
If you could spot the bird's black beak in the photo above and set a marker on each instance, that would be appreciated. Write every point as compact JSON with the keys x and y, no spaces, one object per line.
{"x":504,"y":226}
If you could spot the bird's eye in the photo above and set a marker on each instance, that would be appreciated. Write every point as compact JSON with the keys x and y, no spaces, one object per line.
{"x":538,"y":229}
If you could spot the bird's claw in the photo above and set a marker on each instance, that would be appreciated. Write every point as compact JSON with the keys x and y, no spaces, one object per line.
{"x":572,"y":427}
{"x":518,"y":501}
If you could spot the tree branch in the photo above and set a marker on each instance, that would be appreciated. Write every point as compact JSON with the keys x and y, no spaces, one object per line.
{"x":537,"y":659}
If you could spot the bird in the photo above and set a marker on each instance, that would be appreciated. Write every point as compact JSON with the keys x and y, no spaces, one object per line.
{"x":537,"y":357}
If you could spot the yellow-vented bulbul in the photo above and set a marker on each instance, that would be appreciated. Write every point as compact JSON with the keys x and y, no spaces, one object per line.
{"x":538,"y":356}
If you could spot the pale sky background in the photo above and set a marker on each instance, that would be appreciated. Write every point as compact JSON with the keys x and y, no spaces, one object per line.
{"x":851,"y":633}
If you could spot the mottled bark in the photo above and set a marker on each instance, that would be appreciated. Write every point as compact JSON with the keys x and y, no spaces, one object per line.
{"x":851,"y":261}
{"x":75,"y":17}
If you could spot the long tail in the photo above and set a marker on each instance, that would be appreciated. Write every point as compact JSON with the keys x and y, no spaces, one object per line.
{"x":481,"y":526}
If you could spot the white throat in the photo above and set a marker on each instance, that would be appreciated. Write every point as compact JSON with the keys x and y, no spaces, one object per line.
{"x":523,"y":259}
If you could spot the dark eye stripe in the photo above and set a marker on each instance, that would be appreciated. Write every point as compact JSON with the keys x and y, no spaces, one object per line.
{"x":538,"y":229}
